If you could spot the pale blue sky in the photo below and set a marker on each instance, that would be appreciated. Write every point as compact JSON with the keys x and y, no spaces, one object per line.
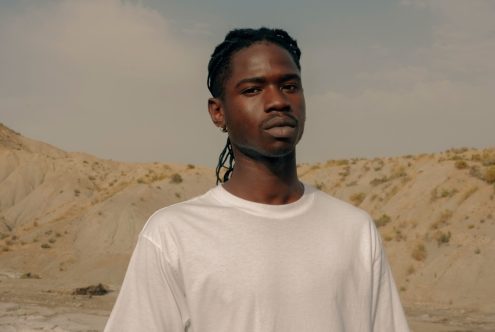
{"x":126,"y":79}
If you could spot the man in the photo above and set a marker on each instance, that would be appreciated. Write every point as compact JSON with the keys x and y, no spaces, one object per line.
{"x":261,"y":252}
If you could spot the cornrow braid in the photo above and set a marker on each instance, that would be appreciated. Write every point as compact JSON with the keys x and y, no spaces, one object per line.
{"x":226,"y":156}
{"x":219,"y":70}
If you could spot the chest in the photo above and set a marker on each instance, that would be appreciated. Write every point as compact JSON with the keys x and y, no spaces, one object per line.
{"x":268,"y":262}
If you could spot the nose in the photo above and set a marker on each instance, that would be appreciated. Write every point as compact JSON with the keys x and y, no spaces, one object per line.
{"x":276,"y":100}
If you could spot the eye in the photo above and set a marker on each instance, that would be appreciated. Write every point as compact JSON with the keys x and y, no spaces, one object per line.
{"x":290,"y":87}
{"x":251,"y":91}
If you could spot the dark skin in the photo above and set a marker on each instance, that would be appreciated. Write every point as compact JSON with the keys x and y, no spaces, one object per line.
{"x":263,"y":109}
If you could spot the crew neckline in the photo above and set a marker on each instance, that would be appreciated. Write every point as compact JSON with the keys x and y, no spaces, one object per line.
{"x":273,"y":211}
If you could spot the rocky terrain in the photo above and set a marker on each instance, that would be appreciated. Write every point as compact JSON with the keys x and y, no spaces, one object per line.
{"x":69,"y":220}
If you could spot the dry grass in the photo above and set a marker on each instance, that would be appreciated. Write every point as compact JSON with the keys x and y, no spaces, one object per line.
{"x":176,"y":178}
{"x":442,"y":237}
{"x":357,"y":198}
{"x":419,"y":252}
{"x":489,"y":174}
{"x":461,"y":164}
{"x":442,"y":219}
{"x":382,"y":221}
{"x":467,"y":194}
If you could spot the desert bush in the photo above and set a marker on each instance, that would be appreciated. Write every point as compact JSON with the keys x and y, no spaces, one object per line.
{"x":461,"y":164}
{"x":345,"y":172}
{"x":410,"y":270}
{"x":99,"y":289}
{"x":488,"y":158}
{"x":419,"y":252}
{"x":77,"y":192}
{"x":399,"y":236}
{"x":442,"y":237}
{"x":442,"y":219}
{"x":45,"y":246}
{"x":448,"y":193}
{"x":468,"y":193}
{"x":342,"y":162}
{"x":377,"y":181}
{"x":489,"y":175}
{"x":388,"y":238}
{"x":319,"y":185}
{"x":29,"y":275}
{"x":477,"y":251}
{"x":476,"y":157}
{"x":190,"y":166}
{"x":176,"y":178}
{"x":357,"y":198}
{"x":382,"y":221}
{"x":475,"y":171}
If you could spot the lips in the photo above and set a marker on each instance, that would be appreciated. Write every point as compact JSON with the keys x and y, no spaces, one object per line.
{"x":280,"y":127}
{"x":279,"y":122}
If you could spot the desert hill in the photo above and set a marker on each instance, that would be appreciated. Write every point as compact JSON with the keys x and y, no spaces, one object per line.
{"x":74,"y":218}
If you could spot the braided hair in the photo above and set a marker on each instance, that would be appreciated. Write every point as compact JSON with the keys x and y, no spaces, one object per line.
{"x":219,"y":69}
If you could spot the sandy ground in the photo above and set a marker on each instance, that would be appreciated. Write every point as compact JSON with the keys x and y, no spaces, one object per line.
{"x":18,"y":317}
{"x":35,"y":306}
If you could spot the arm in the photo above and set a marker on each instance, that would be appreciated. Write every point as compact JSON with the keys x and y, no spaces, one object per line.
{"x":151,"y":298}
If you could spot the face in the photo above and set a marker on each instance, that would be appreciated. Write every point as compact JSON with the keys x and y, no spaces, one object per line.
{"x":263,"y":104}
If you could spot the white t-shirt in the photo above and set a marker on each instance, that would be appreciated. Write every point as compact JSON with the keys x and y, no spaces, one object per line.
{"x":219,"y":263}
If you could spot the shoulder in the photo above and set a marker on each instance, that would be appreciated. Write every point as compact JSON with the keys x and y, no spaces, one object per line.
{"x":337,"y":208}
{"x":164,"y":222}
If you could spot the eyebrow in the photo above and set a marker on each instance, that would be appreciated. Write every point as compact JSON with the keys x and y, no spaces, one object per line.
{"x":261,"y":80}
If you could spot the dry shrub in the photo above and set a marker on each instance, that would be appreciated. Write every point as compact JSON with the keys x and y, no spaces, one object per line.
{"x":468,"y":193}
{"x":461,"y":164}
{"x":29,"y":275}
{"x":383,"y":220}
{"x":489,"y":175}
{"x":419,"y":252}
{"x":488,"y":158}
{"x":442,"y":237}
{"x":442,"y":219}
{"x":99,"y":289}
{"x":176,"y":178}
{"x":357,"y":198}
{"x":377,"y":181}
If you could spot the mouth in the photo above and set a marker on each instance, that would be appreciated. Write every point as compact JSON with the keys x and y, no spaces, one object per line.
{"x":279,"y":122}
{"x":280,"y":127}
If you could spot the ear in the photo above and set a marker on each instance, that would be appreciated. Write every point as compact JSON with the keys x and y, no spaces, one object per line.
{"x":215,"y":108}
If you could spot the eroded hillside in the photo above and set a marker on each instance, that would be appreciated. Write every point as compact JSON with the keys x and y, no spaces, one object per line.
{"x":74,"y":218}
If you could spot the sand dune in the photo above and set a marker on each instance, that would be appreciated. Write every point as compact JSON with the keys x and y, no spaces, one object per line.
{"x":70,"y":219}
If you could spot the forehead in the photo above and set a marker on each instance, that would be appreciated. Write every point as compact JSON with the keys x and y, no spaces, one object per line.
{"x":259,"y":60}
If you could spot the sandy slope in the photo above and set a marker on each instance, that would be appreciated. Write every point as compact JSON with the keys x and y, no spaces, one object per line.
{"x":72,"y":219}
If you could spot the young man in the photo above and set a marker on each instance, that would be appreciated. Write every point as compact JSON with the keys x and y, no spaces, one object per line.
{"x":261,"y":252}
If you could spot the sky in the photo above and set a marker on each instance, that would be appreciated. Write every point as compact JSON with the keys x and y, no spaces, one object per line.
{"x":126,"y":80}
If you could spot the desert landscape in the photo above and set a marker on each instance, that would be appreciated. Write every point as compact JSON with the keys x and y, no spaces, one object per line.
{"x":69,"y":222}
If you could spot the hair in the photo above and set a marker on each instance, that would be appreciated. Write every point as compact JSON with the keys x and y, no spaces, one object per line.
{"x":219,"y":69}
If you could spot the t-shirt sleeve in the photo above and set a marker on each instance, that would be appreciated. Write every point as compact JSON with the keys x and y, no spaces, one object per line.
{"x":387,"y":312}
{"x":151,"y":298}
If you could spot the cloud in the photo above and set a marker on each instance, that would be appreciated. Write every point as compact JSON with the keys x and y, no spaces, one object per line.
{"x":442,"y":98}
{"x":102,"y":76}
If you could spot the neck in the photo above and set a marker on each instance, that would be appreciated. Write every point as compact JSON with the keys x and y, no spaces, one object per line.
{"x":265,"y":180}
